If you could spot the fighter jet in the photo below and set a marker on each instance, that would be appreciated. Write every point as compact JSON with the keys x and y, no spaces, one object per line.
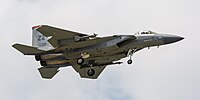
{"x":87,"y":54}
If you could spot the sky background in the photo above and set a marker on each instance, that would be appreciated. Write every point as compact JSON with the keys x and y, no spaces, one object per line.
{"x":171,"y":72}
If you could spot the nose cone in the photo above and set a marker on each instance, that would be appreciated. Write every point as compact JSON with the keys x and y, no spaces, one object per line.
{"x":172,"y":38}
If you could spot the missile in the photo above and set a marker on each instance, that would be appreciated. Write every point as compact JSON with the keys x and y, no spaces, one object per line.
{"x":82,"y":38}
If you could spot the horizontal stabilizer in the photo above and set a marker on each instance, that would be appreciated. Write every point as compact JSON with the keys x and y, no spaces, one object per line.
{"x":27,"y":50}
{"x":48,"y":73}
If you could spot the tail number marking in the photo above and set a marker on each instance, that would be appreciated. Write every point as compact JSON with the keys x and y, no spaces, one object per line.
{"x":41,"y":37}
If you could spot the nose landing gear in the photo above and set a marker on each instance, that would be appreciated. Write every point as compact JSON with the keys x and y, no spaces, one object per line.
{"x":130,"y":53}
{"x":129,"y":61}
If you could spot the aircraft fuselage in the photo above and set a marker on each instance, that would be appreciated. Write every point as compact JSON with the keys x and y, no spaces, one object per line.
{"x":113,"y":45}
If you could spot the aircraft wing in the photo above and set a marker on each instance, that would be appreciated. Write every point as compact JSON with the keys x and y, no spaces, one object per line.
{"x":83,"y":72}
{"x":98,"y":64}
{"x":98,"y":69}
{"x":57,"y":34}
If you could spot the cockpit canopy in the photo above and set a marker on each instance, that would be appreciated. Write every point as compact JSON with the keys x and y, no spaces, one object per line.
{"x":145,"y":32}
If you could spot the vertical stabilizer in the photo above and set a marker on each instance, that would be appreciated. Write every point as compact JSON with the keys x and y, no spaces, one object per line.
{"x":39,"y":40}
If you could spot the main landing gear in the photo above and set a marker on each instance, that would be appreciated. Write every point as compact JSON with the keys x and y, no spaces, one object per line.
{"x":130,"y":53}
{"x":90,"y":72}
{"x":80,"y":61}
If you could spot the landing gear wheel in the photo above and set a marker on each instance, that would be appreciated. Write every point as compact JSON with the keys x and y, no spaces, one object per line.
{"x":129,"y":61}
{"x":90,"y":72}
{"x":80,"y":61}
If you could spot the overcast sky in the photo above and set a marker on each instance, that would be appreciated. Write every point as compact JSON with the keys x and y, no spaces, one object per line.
{"x":171,"y":72}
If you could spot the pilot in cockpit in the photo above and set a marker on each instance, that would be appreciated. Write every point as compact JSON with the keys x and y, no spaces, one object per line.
{"x":147,"y":32}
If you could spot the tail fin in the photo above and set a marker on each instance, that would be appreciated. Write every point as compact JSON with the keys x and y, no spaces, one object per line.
{"x":39,"y":40}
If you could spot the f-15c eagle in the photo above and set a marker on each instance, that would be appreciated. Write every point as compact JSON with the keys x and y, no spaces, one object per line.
{"x":87,"y":54}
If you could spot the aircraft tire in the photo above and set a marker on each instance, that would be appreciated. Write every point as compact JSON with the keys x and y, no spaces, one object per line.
{"x":80,"y":61}
{"x":129,"y":61}
{"x":90,"y":72}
